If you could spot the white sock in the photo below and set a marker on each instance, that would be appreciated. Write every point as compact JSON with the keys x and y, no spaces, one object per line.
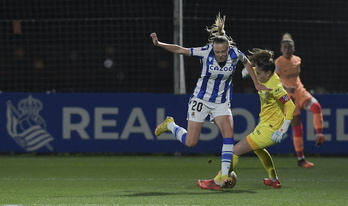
{"x":226,"y":155}
{"x":171,"y":126}
{"x":178,"y":132}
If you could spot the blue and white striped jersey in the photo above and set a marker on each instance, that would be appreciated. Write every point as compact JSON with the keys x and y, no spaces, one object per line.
{"x":215,"y":84}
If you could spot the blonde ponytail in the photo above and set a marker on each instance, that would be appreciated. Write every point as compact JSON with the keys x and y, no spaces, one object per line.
{"x":217,"y":30}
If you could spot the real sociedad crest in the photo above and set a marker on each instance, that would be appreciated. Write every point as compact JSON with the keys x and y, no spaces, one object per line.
{"x":26,"y":126}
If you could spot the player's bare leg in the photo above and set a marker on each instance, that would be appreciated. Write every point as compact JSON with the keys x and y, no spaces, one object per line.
{"x":188,"y":137}
{"x":193,"y":133}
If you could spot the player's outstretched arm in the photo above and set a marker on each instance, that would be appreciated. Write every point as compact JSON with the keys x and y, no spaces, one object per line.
{"x":176,"y":49}
{"x":289,"y":109}
{"x":251,"y":72}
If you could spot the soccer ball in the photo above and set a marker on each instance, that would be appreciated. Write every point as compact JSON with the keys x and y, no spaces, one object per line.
{"x":234,"y":179}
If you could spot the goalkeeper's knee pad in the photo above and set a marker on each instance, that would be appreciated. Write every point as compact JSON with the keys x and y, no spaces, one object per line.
{"x":313,"y":106}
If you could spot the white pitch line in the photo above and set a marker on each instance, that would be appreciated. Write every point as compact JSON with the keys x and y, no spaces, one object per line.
{"x":98,"y":205}
{"x":75,"y":179}
{"x":150,"y":179}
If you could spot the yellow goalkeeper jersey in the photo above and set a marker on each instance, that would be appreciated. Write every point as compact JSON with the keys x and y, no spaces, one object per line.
{"x":272,"y":102}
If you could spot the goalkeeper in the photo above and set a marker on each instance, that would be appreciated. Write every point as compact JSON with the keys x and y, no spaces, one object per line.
{"x":288,"y":67}
{"x":275,"y":116}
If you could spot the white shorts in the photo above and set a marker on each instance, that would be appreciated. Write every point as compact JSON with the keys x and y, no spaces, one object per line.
{"x":198,"y":110}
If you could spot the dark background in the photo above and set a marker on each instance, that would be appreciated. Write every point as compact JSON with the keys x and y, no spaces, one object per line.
{"x":63,"y":45}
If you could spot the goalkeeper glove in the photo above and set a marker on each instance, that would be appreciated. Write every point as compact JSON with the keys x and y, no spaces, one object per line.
{"x":279,"y":135}
{"x":320,"y":140}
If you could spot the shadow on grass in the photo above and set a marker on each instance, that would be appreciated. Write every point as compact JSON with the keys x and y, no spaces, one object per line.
{"x":159,"y":194}
{"x":206,"y":192}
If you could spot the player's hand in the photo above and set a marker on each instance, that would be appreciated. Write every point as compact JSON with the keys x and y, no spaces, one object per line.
{"x":154,"y":38}
{"x":278,"y":136}
{"x":320,"y":140}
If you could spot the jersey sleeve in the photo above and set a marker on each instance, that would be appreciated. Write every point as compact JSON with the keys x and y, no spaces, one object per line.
{"x":289,"y":110}
{"x":237,"y":54}
{"x":280,"y":93}
{"x":242,"y":57}
{"x":200,"y":52}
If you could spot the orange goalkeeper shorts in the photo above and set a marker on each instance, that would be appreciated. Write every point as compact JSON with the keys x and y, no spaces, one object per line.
{"x":300,"y":97}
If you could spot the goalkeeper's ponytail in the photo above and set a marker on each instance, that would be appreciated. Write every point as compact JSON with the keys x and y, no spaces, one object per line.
{"x":287,"y":38}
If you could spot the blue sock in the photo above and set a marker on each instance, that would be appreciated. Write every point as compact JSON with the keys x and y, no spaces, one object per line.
{"x":178,"y":132}
{"x":226,"y":155}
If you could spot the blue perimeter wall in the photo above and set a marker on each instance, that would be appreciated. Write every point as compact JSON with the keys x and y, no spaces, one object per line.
{"x":124,"y":123}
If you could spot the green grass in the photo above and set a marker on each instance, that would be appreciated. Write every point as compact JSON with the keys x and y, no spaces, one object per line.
{"x":165,"y":180}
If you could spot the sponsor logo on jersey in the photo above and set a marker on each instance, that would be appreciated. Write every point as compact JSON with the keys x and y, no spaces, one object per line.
{"x":221,"y":69}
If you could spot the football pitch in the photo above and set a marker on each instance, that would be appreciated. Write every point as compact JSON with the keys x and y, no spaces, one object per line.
{"x":165,"y":180}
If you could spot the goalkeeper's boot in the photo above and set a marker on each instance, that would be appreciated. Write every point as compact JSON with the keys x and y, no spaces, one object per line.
{"x":163,"y":126}
{"x":304,"y":163}
{"x":320,"y":140}
{"x":268,"y":182}
{"x":208,"y":184}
